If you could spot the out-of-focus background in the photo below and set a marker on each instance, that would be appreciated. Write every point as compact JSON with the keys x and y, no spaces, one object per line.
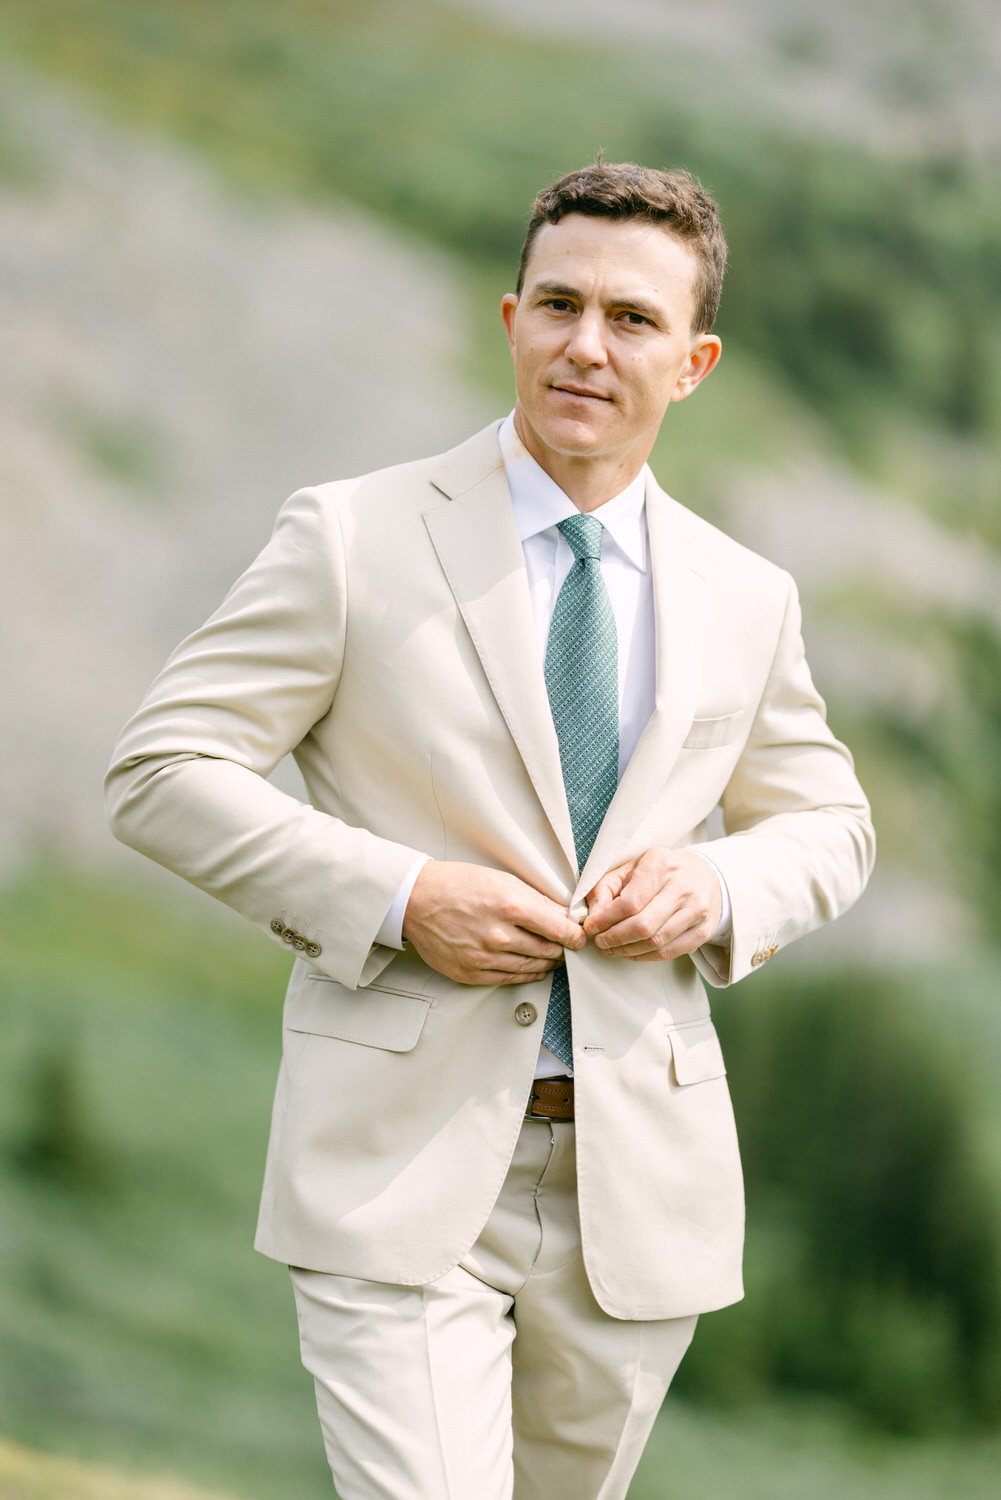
{"x":248,"y":245}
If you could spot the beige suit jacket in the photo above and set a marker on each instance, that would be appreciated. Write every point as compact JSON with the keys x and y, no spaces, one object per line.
{"x":385,"y":637}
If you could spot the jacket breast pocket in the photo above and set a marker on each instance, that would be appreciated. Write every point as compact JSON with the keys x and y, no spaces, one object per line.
{"x":709,"y":734}
{"x":696,"y":1052}
{"x":371,"y":1017}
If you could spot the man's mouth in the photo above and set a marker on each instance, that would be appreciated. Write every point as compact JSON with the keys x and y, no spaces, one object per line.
{"x":581,"y":391}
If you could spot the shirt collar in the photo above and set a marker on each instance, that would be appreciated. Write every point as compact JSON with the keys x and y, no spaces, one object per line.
{"x":539,"y":503}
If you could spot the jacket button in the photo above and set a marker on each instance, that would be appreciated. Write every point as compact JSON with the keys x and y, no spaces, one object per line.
{"x":526,"y":1013}
{"x":313,"y":950}
{"x":278,"y":926}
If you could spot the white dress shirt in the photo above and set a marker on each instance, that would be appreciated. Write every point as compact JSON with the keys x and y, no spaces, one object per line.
{"x":539,"y":505}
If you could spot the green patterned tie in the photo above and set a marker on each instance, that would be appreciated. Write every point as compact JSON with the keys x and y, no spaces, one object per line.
{"x":582,"y":678}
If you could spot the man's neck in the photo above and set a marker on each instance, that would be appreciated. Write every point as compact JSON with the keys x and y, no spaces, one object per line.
{"x":589,"y":481}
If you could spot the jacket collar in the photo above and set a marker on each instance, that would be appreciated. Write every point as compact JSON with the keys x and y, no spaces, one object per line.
{"x":477,"y":543}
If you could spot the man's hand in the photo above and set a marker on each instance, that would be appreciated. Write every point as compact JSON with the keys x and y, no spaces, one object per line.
{"x":658,"y":906}
{"x":482,"y":926}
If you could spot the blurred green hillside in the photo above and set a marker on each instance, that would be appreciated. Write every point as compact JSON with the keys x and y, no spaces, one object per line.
{"x":870,"y":286}
{"x":853,"y":432}
{"x":136,"y":1068}
{"x":862,"y":311}
{"x":25,"y":1475}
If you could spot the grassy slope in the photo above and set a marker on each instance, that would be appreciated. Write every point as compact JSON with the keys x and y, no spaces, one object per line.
{"x":135,"y":1097}
{"x":139,"y":1326}
{"x":26,"y":1475}
{"x":776,"y":1455}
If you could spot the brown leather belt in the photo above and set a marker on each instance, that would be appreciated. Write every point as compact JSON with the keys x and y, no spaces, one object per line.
{"x":550,"y":1099}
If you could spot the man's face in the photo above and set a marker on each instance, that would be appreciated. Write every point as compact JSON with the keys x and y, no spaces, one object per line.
{"x":601,"y":339}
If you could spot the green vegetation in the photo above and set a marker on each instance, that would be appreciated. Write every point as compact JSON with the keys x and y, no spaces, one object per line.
{"x":869,"y":1131}
{"x":780,"y":1452}
{"x":137,"y":1322}
{"x":138,"y":1059}
{"x":960,"y":748}
{"x":25,"y":1475}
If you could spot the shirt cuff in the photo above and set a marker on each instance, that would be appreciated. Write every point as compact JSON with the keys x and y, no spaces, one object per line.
{"x":390,"y":934}
{"x":724,"y":928}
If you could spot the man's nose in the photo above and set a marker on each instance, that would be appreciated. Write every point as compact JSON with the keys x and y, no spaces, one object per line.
{"x":587,"y":342}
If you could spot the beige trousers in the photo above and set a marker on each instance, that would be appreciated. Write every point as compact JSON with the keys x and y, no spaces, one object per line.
{"x":502,"y":1380}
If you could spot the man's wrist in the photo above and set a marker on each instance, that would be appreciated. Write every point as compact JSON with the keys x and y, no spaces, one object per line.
{"x":390,"y":934}
{"x":724,"y":927}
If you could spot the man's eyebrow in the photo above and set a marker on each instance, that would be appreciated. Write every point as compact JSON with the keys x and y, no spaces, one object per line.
{"x":556,"y":289}
{"x":574,"y":294}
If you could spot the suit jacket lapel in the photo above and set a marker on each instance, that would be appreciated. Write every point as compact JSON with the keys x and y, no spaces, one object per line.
{"x":679,"y":611}
{"x":478,"y":547}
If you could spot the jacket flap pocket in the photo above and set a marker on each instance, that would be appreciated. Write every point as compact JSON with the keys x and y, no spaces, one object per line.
{"x":370,"y":1017}
{"x":707,"y":734}
{"x":697,"y":1053}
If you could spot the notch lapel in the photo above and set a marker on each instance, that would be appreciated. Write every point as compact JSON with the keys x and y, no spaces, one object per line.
{"x":680,"y":602}
{"x":480,"y":553}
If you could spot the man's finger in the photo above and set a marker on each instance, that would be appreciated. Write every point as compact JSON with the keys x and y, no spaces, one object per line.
{"x":660,"y":920}
{"x":687,"y":942}
{"x":638,"y":912}
{"x":600,"y":898}
{"x":605,"y":891}
{"x":523,"y":943}
{"x":505,"y":969}
{"x":659,"y":931}
{"x":629,"y":889}
{"x":541,"y":916}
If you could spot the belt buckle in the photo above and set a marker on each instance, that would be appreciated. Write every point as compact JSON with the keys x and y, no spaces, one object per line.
{"x":556,"y":1106}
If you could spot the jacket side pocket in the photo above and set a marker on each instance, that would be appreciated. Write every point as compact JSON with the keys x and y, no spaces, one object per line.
{"x":696,"y":1052}
{"x":371,"y":1017}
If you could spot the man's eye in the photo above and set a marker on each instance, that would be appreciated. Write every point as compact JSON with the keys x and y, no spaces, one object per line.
{"x":558,"y":304}
{"x":636,"y":319}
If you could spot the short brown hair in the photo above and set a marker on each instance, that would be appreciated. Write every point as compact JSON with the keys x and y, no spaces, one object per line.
{"x":622,"y":190}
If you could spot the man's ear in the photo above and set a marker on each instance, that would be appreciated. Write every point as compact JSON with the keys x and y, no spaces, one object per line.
{"x":509,"y":306}
{"x":706,"y":350}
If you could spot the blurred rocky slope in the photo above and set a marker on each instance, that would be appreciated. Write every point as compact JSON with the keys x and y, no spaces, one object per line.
{"x":177,"y":358}
{"x":174,"y":362}
{"x":912,"y":77}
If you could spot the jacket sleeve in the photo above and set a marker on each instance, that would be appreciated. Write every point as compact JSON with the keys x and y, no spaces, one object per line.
{"x":799,"y":845}
{"x":187,"y":784}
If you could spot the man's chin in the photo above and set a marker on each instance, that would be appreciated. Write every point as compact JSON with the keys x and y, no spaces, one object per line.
{"x":572,"y":437}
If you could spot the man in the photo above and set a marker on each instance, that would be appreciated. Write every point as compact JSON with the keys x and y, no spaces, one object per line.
{"x":517,"y":679}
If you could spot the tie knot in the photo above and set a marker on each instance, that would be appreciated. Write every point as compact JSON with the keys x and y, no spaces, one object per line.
{"x":584,"y":534}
